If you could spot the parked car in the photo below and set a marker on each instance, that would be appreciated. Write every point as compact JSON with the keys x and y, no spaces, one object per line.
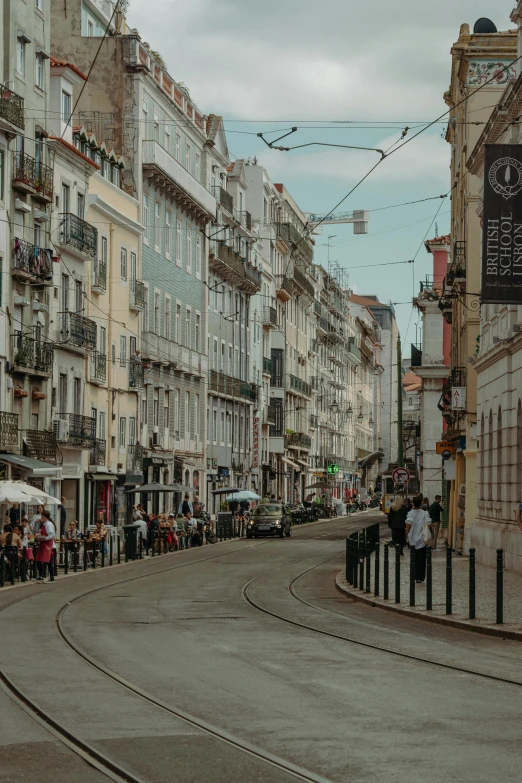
{"x":269,"y":519}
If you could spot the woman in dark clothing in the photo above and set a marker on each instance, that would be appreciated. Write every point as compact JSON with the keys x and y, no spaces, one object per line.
{"x":397,"y":523}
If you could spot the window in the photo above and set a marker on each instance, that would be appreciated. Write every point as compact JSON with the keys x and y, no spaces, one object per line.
{"x":198,"y":256}
{"x":157,"y":227}
{"x":177,"y":336}
{"x":215,"y":354}
{"x":115,"y":175}
{"x":66,"y":198}
{"x":146,"y":217}
{"x":20,"y":56}
{"x":156,"y":127}
{"x":178,"y":146}
{"x":62,"y":393}
{"x":80,"y":204}
{"x":167,"y":138}
{"x":132,"y":431}
{"x":197,"y":168}
{"x":78,"y":295}
{"x":214,"y":426}
{"x":39,"y":70}
{"x":77,"y":396}
{"x":146,"y":310}
{"x":104,"y":249}
{"x":229,"y":429}
{"x":145,"y":117}
{"x":178,"y":242}
{"x":90,"y":28}
{"x":196,"y":415}
{"x":189,"y":251}
{"x":133,"y":264}
{"x":499,"y":455}
{"x":39,"y":4}
{"x":176,"y":412}
{"x":222,"y":429}
{"x":122,"y":432}
{"x":168,"y":229}
{"x":113,"y":354}
{"x":101,"y":427}
{"x":66,"y":106}
{"x":155,"y":412}
{"x":167,"y":317}
{"x":123,"y":350}
{"x":187,"y":413}
{"x":156,"y":313}
{"x":123,"y":263}
{"x":196,"y":332}
{"x":187,"y":157}
{"x":187,"y":327}
{"x":2,"y":174}
{"x":103,"y":340}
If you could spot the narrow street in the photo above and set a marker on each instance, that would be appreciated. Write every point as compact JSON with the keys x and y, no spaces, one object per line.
{"x":243,"y":662}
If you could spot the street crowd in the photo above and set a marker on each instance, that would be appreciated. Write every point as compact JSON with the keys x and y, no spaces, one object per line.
{"x":416,"y":522}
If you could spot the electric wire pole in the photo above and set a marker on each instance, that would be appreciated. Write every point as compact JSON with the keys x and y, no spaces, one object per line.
{"x":400,"y":445}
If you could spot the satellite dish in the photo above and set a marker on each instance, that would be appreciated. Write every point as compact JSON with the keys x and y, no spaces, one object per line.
{"x":484,"y":26}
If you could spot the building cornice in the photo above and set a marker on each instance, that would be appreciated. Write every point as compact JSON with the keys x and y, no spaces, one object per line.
{"x":502,"y":349}
{"x":113,"y":214}
{"x":435,"y":371}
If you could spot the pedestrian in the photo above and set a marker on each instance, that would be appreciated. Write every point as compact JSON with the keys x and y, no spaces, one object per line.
{"x":37,"y":518}
{"x":153,"y":531}
{"x":136,"y":514}
{"x":397,"y":523}
{"x":435,"y":511}
{"x":62,"y":516}
{"x":272,"y":498}
{"x":425,"y":504}
{"x":185,"y":506}
{"x":419,"y":533}
{"x":12,"y":516}
{"x":45,"y":539}
{"x":143,"y":513}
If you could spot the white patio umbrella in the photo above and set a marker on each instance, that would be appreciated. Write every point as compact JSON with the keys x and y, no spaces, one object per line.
{"x":21,"y":492}
{"x":243,"y":494}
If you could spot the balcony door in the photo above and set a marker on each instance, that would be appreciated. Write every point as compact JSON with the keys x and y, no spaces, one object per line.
{"x":64,"y":302}
{"x":94,"y":416}
{"x":62,"y":393}
{"x":132,"y":275}
{"x":77,"y":396}
{"x":66,"y":199}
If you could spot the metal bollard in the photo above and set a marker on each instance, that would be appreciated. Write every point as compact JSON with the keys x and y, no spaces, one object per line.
{"x":110,"y":550}
{"x":376,"y":588}
{"x":12,"y":569}
{"x":500,"y":587}
{"x":368,"y":556}
{"x":355,"y":545}
{"x":412,"y":575}
{"x":2,"y":567}
{"x":449,"y":581}
{"x":76,"y":552}
{"x":103,"y":544}
{"x":348,"y":564}
{"x":140,"y":547}
{"x":66,"y":559}
{"x":93,"y":554}
{"x":472,"y":584}
{"x":397,"y":575}
{"x":429,"y":580}
{"x":360,"y":551}
{"x":386,"y":571}
{"x":85,"y":555}
{"x":23,"y":565}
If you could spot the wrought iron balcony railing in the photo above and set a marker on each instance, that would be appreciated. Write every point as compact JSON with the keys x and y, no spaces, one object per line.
{"x":233,"y":387}
{"x":32,"y":260}
{"x":297,"y":385}
{"x":269,"y":316}
{"x":303,"y":285}
{"x":98,"y":452}
{"x":136,"y":375}
{"x":77,"y":233}
{"x":98,"y":367}
{"x":99,"y":276}
{"x":314,"y":421}
{"x":234,"y":267}
{"x":75,"y":430}
{"x":322,"y":326}
{"x":298,"y":439}
{"x":318,"y":308}
{"x":32,"y":176}
{"x":290,"y":234}
{"x":9,"y":432}
{"x":267,"y":365}
{"x":78,"y":331}
{"x":135,"y":456}
{"x":284,"y":287}
{"x":245,"y":218}
{"x":12,"y":107}
{"x":223,"y":198}
{"x":30,"y":354}
{"x":40,"y":444}
{"x":137,"y":295}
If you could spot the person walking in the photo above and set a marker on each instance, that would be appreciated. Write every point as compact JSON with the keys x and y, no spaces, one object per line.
{"x":435,"y":511}
{"x":419,"y":533}
{"x":62,"y":516}
{"x":397,"y":523}
{"x":185,"y":506}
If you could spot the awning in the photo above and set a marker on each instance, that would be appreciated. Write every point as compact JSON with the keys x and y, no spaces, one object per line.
{"x":304,"y":464}
{"x":292,"y":464}
{"x":368,"y":461}
{"x":35,"y":467}
{"x":103,"y":476}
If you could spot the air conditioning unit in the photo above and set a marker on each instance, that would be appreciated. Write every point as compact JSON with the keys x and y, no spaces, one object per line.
{"x":61,"y":429}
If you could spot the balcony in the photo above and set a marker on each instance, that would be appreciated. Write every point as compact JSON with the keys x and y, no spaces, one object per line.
{"x":176,"y":181}
{"x":302,"y":285}
{"x":137,"y":295}
{"x":314,"y":346}
{"x":9,"y":433}
{"x":40,"y":444}
{"x":77,"y":332}
{"x":298,"y":440}
{"x":31,"y":176}
{"x":292,"y":236}
{"x":354,"y":352}
{"x":299,"y":386}
{"x":223,"y":198}
{"x":31,"y":356}
{"x":284,"y":288}
{"x":232,"y":387}
{"x":267,"y":366}
{"x":98,"y":452}
{"x":270,"y":317}
{"x":75,"y":430}
{"x":77,"y":234}
{"x":232,"y":267}
{"x":31,"y":262}
{"x":244,"y":219}
{"x":416,"y":355}
{"x":136,"y":375}
{"x":11,"y":111}
{"x":318,"y":309}
{"x":366,"y":350}
{"x":98,"y":367}
{"x":314,"y":421}
{"x":99,"y":277}
{"x":322,"y":326}
{"x":135,"y":454}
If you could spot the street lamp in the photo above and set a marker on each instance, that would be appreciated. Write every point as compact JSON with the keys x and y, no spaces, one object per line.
{"x":360,"y":417}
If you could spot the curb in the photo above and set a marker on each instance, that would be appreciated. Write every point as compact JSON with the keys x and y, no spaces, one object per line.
{"x":463,"y":625}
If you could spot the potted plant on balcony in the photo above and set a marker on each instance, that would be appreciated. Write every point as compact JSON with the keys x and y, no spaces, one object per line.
{"x":19,"y":392}
{"x":38,"y":395}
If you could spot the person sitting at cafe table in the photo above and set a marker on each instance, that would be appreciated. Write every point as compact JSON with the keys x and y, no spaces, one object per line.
{"x":100,"y":535}
{"x":24,"y":529}
{"x":72,"y":533}
{"x":10,"y":537}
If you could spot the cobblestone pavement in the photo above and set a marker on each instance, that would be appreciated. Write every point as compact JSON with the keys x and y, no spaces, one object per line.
{"x":485,"y":591}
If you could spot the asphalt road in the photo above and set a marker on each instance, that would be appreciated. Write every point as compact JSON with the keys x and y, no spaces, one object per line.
{"x":241,"y":662}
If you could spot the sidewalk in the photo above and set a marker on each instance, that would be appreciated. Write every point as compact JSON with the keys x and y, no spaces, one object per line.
{"x":485,"y":594}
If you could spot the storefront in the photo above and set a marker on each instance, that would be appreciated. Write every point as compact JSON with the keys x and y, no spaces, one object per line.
{"x":42,"y":475}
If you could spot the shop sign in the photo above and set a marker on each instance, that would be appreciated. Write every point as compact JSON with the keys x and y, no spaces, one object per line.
{"x":458,"y":398}
{"x":255,"y":454}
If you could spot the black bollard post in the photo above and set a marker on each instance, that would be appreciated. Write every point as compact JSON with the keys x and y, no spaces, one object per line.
{"x":397,"y":575}
{"x":376,"y":588}
{"x":368,"y":556}
{"x":94,"y":554}
{"x":412,"y":576}
{"x":103,"y":544}
{"x":361,"y":561}
{"x":355,"y":553}
{"x":429,"y":580}
{"x":152,"y":540}
{"x":23,"y":565}
{"x":110,"y":550}
{"x":2,"y":567}
{"x":76,"y":552}
{"x":12,"y":569}
{"x":66,"y":558}
{"x":449,"y":581}
{"x":348,"y":563}
{"x":85,"y":555}
{"x":472,"y":584}
{"x":140,"y":552}
{"x":500,"y":587}
{"x":386,"y":572}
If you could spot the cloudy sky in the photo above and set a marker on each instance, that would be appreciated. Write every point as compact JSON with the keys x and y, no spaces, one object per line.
{"x":378,"y":66}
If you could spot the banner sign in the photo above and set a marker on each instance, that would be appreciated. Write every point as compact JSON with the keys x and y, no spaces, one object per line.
{"x":255,"y":451}
{"x":502,"y":225}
